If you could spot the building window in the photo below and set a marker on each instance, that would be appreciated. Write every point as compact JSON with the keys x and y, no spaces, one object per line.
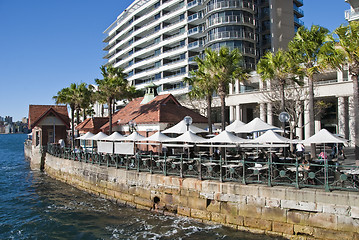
{"x":130,"y":63}
{"x":183,"y":70}
{"x":157,"y":52}
{"x":157,"y":28}
{"x":157,"y":16}
{"x":157,"y":76}
{"x":130,"y":42}
{"x":157,"y":4}
{"x":158,"y":64}
{"x":130,"y":52}
{"x":182,"y":43}
{"x":130,"y":74}
{"x":157,"y":40}
{"x":182,"y":56}
{"x":181,"y":17}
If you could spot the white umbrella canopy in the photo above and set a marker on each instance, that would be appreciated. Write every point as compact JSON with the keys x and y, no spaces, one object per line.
{"x":187,"y":137}
{"x":234,"y":125}
{"x":86,"y":136}
{"x":98,"y":136}
{"x":181,"y":127}
{"x":157,"y":137}
{"x":114,"y":137}
{"x":324,"y":136}
{"x":135,"y":136}
{"x":256,"y":125}
{"x":226,"y":137}
{"x":270,"y":137}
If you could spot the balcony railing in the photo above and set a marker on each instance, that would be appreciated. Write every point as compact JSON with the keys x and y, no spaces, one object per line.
{"x":230,"y":34}
{"x":288,"y":171}
{"x":230,"y":4}
{"x":230,"y":19}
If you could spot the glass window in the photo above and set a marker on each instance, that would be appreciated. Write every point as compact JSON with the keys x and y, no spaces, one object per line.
{"x":157,"y":52}
{"x":158,"y":64}
{"x":182,"y":43}
{"x":157,"y":28}
{"x":157,"y":16}
{"x":157,"y":4}
{"x":157,"y":40}
{"x":130,"y":63}
{"x":130,"y":52}
{"x":182,"y":56}
{"x":157,"y":76}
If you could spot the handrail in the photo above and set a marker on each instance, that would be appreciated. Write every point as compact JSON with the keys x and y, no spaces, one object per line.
{"x":289,"y":171}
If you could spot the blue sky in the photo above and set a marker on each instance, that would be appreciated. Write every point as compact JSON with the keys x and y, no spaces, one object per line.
{"x":45,"y":45}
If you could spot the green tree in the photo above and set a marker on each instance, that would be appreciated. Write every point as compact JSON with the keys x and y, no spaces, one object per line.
{"x":314,"y":49}
{"x":114,"y":86}
{"x":68,"y":96}
{"x":280,"y":71}
{"x":85,"y":98}
{"x":202,"y":87}
{"x":224,"y":67}
{"x":348,"y":44}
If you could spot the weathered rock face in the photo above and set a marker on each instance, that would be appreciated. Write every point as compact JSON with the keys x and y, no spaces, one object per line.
{"x":282,"y":211}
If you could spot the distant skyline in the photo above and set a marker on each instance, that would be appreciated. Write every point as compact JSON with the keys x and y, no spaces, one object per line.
{"x":47,"y":45}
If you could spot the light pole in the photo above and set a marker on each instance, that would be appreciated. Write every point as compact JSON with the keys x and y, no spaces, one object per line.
{"x":188,"y":121}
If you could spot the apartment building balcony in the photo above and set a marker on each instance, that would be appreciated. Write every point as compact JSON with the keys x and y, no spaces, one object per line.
{"x":352,"y":14}
{"x":231,"y":35}
{"x":298,"y":21}
{"x":194,"y":5}
{"x":211,"y":22}
{"x":299,"y":12}
{"x":195,"y":18}
{"x":299,"y":3}
{"x":195,"y":44}
{"x":195,"y":31}
{"x":230,"y":4}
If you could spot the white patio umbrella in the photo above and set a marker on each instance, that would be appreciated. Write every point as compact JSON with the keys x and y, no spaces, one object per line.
{"x":324,"y":136}
{"x":157,"y":137}
{"x":270,"y":137}
{"x":86,"y":136}
{"x":235,"y":125}
{"x":114,"y":137}
{"x":98,"y":136}
{"x":188,"y":136}
{"x":135,"y":136}
{"x":256,"y":125}
{"x":181,"y":127}
{"x":226,"y":137}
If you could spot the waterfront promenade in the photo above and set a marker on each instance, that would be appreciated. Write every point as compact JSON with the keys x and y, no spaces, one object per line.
{"x":285,"y":171}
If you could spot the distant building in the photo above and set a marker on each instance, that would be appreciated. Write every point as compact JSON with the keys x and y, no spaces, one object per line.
{"x":8,"y":119}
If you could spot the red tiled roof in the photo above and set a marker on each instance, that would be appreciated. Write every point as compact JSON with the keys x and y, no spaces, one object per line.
{"x":38,"y":112}
{"x":163,"y":108}
{"x":94,"y":123}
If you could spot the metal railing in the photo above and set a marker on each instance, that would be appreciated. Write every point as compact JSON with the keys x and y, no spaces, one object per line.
{"x":286,"y":172}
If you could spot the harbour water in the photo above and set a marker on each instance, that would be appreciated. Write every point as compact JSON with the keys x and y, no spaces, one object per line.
{"x":34,"y":206}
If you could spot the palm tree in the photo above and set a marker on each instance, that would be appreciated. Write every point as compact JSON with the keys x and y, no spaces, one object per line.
{"x":314,"y":49}
{"x":85,"y":98}
{"x":113,"y":86}
{"x":224,"y":67}
{"x":279,"y":69}
{"x":349,"y":46}
{"x":69,"y":96}
{"x":202,"y":87}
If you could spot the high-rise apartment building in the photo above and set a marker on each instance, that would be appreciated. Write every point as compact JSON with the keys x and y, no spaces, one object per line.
{"x":157,"y":40}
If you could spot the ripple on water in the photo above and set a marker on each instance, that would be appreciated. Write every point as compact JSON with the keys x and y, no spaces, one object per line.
{"x":34,"y":206}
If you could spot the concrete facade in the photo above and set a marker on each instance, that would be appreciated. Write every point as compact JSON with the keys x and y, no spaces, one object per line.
{"x":279,"y":211}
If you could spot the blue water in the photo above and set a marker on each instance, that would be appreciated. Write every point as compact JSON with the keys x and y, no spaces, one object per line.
{"x":34,"y":206}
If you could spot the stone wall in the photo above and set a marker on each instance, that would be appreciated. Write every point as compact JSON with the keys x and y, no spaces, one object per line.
{"x":35,"y":156}
{"x":283,"y":211}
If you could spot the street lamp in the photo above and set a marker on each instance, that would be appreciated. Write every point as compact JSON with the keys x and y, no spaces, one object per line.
{"x":188,"y":121}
